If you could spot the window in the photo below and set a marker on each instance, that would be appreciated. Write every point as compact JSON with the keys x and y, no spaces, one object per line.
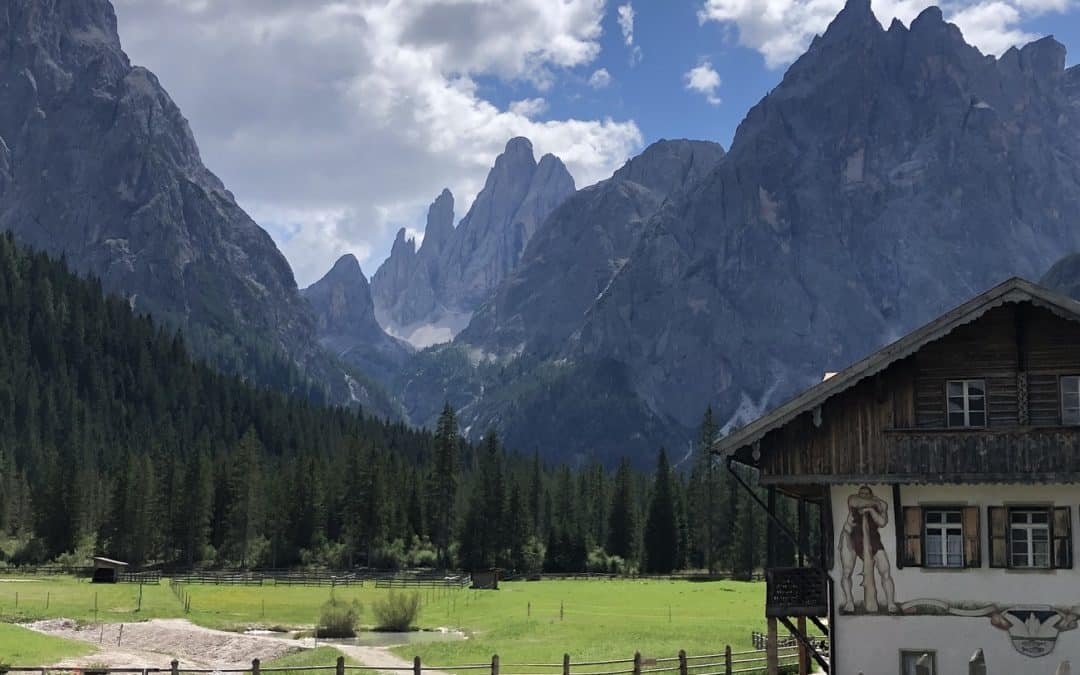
{"x":943,"y":537}
{"x":1029,"y":538}
{"x":940,"y":537}
{"x":966,"y":403}
{"x":910,"y":657}
{"x":1070,"y":399}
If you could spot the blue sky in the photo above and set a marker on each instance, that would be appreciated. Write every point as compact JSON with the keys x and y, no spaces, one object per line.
{"x":335,"y":122}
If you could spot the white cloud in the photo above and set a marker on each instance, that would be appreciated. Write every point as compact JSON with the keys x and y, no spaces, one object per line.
{"x":781,"y":30}
{"x":626,"y":22}
{"x":705,"y":80}
{"x":600,"y":78}
{"x":337,"y":121}
{"x":626,"y":25}
{"x":529,"y":107}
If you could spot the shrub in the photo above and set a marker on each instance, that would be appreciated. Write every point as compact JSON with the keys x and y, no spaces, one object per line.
{"x":398,"y":611}
{"x":338,"y":618}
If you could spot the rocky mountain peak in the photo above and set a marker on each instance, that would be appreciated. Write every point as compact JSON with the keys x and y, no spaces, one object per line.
{"x":457,"y":268}
{"x":440,"y":221}
{"x":667,"y":165}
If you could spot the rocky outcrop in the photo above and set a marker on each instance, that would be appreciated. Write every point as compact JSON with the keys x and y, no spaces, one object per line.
{"x":98,"y":164}
{"x":891,"y":175}
{"x":346,"y":325}
{"x":456,"y":269}
{"x":582,"y":244}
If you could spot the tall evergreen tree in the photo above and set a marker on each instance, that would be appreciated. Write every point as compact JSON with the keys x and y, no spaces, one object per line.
{"x":445,"y":481}
{"x":661,"y":538}
{"x":622,"y":518}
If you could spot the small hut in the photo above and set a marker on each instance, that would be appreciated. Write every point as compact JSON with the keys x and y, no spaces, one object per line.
{"x":486,"y":580}
{"x":107,"y":570}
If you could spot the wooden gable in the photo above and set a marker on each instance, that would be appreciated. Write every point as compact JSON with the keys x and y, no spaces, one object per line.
{"x":888,"y":424}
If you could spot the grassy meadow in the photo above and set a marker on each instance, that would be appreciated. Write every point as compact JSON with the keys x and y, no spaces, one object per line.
{"x":22,"y":647}
{"x":523,"y":622}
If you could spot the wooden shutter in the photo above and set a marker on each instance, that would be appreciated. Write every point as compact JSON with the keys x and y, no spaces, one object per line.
{"x":912,"y":553}
{"x":1061,"y":531}
{"x":998,"y":533}
{"x":972,"y":539}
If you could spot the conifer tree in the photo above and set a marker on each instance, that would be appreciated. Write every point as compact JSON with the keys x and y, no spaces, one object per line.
{"x":622,"y":518}
{"x":661,"y":538}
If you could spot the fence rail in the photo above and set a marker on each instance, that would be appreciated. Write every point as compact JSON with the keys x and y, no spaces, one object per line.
{"x":727,"y":662}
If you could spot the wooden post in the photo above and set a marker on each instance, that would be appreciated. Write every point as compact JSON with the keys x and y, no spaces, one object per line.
{"x":637,"y":663}
{"x":977,"y":663}
{"x":682,"y":662}
{"x":254,"y":666}
{"x":561,"y":607}
{"x":804,"y":653}
{"x":565,"y":664}
{"x":727,"y":660}
{"x":340,"y":665}
{"x":120,"y":635}
{"x":416,"y":665}
{"x":922,"y":666}
{"x":770,"y":531}
{"x":175,"y":667}
{"x":494,"y":664}
{"x":804,"y":531}
{"x":772,"y":656}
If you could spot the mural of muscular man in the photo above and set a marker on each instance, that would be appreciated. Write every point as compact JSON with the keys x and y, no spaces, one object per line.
{"x":860,"y":538}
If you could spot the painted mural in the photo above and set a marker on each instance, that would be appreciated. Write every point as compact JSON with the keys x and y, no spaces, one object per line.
{"x":861,"y":549}
{"x":1033,"y":629}
{"x":867,"y":586}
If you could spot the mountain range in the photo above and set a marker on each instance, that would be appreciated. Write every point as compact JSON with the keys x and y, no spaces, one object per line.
{"x":890,"y":175}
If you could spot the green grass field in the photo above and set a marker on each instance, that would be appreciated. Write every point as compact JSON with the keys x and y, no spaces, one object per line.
{"x":522,"y":622}
{"x":22,"y":647}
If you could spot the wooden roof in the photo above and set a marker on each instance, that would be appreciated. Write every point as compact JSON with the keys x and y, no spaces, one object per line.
{"x":1015,"y":290}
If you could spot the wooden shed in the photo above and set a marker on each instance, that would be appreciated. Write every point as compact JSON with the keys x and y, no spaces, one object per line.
{"x":107,"y":570}
{"x":486,"y":580}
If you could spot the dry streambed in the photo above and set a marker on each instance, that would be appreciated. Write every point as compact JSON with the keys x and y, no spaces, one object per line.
{"x":155,"y":643}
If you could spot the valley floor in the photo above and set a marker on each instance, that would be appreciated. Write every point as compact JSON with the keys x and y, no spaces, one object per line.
{"x":523,"y":622}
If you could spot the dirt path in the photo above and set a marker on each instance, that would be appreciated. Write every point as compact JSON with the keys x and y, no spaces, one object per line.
{"x":155,"y":643}
{"x":381,"y":657}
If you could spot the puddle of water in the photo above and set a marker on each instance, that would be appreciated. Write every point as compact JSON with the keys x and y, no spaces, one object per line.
{"x":380,"y":639}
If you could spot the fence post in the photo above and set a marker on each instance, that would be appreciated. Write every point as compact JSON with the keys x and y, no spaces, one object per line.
{"x":637,"y":663}
{"x":254,"y":666}
{"x":494,"y":664}
{"x":175,"y":667}
{"x":565,"y":664}
{"x":772,"y":655}
{"x":727,"y":660}
{"x":804,"y":653}
{"x":340,"y":665}
{"x":1064,"y":669}
{"x":682,"y":662}
{"x":416,"y":665}
{"x":922,"y":666}
{"x":977,"y":664}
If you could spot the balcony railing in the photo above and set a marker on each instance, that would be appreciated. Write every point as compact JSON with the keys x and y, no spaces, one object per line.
{"x":796,"y":591}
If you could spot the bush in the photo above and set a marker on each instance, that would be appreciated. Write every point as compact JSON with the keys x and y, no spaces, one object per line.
{"x":338,"y":618}
{"x":398,"y":611}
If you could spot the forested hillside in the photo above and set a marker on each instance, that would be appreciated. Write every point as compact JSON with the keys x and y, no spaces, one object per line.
{"x":113,"y":440}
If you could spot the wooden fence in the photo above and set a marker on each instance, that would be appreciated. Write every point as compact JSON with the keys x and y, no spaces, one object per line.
{"x":727,"y":662}
{"x":976,"y":665}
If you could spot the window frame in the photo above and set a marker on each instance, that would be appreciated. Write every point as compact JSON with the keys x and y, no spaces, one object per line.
{"x":943,"y":526}
{"x":1061,"y":399}
{"x":1029,"y":527}
{"x":917,"y":653}
{"x":965,"y":382}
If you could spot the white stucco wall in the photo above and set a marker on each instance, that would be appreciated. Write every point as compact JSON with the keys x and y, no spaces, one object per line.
{"x":870,"y":643}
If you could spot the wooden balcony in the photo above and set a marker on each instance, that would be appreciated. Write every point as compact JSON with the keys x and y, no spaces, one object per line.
{"x":1030,"y":454}
{"x":796,"y":591}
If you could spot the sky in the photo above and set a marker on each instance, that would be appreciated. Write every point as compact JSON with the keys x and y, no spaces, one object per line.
{"x":337,"y":122}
